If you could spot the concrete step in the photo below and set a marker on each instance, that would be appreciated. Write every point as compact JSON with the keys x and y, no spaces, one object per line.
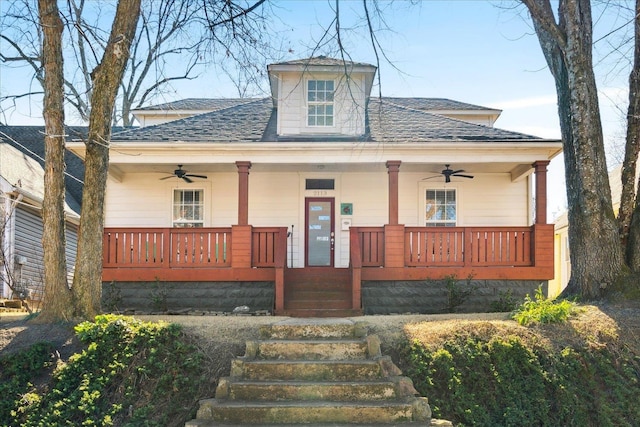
{"x":308,"y":349}
{"x":313,"y":329}
{"x":434,"y":423}
{"x":314,"y":372}
{"x":319,"y":313}
{"x":318,"y":370}
{"x":392,"y":388}
{"x":251,"y":412}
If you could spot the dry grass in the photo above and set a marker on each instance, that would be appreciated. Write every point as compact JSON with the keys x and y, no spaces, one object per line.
{"x":592,"y":326}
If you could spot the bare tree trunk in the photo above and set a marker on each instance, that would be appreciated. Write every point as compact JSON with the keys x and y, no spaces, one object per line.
{"x":57,"y":296}
{"x":87,"y":281}
{"x":596,"y":254}
{"x":629,"y":214}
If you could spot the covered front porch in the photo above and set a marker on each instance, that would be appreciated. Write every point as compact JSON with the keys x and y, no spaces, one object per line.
{"x":388,"y":253}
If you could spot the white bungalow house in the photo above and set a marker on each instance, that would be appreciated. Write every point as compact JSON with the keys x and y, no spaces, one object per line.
{"x":323,"y":200}
{"x":21,"y":198}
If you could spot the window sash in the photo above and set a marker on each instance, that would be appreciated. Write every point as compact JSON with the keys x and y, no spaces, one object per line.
{"x":188,"y":208}
{"x":320,"y":96}
{"x":440,"y":208}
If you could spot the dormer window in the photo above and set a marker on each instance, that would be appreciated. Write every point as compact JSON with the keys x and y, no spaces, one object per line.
{"x":320,"y":102}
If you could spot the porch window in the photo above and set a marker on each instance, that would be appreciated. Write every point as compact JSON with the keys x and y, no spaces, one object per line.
{"x":320,"y":102}
{"x":188,"y":208}
{"x":440,"y":208}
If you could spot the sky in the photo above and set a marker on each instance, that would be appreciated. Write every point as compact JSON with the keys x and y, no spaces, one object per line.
{"x":479,"y":52}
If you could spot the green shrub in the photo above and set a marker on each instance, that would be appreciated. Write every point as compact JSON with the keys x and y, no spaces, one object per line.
{"x":458,"y":294}
{"x":542,"y":310}
{"x":506,"y":302}
{"x":503,"y":381}
{"x":16,"y":374}
{"x":123,"y":358}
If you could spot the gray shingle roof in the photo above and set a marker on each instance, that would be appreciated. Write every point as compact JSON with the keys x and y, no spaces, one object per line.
{"x":30,"y":141}
{"x":435,"y":104}
{"x":390,"y":122}
{"x":322,"y":61}
{"x":387,"y":121}
{"x":198,"y":104}
{"x":245,"y":122}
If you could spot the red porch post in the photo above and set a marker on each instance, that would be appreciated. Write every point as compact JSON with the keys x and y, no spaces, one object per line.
{"x":541,"y":190}
{"x":393,"y":232}
{"x":243,"y":192}
{"x":393,"y":167}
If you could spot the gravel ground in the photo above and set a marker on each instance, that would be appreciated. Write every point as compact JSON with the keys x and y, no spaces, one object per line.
{"x":238,"y":329}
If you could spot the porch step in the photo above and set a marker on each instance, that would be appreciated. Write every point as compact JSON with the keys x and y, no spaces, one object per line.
{"x":318,"y":292}
{"x":314,"y":372}
{"x":317,"y":275}
{"x":318,"y":300}
{"x":322,"y":313}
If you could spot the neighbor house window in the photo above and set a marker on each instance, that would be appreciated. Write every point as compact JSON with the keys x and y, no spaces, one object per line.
{"x":188,"y":208}
{"x":320,"y":102}
{"x":440,"y":208}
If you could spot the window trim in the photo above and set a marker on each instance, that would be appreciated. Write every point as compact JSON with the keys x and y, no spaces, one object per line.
{"x":325,"y":103}
{"x":423,"y":204}
{"x":187,"y":223}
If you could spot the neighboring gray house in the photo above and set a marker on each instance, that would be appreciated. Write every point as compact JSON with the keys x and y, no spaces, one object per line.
{"x":21,"y":197}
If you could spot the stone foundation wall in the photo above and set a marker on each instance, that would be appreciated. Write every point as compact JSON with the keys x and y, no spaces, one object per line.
{"x":180,"y":296}
{"x":433,"y":296}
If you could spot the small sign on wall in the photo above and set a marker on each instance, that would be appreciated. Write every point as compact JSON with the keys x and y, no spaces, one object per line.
{"x":346,"y":208}
{"x":345,"y":223}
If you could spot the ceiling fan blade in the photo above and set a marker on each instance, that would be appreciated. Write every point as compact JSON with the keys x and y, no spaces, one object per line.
{"x":196,"y":176}
{"x":186,"y":178}
{"x":430,"y":177}
{"x":447,"y":178}
{"x":464,"y":176}
{"x":455,"y":172}
{"x":167,"y":177}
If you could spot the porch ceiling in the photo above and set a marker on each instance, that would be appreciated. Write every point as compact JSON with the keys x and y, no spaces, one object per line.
{"x":321,"y":167}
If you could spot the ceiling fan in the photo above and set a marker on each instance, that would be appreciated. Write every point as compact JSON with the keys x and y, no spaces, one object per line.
{"x":181,"y":173}
{"x":448,"y":173}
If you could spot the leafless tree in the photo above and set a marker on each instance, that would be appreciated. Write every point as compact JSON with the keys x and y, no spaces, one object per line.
{"x":53,"y":236}
{"x":106,"y":78}
{"x":598,"y":242}
{"x":175,"y":40}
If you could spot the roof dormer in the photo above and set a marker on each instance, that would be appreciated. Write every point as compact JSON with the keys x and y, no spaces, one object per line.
{"x":321,"y":97}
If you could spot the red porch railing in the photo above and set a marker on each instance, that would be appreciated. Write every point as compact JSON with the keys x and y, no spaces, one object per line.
{"x":468,"y":246}
{"x":371,"y":246}
{"x":188,"y":247}
{"x":451,"y":246}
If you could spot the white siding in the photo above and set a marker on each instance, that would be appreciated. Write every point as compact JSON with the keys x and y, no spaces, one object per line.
{"x":277,"y":199}
{"x":488,"y":199}
{"x":349,"y":102}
